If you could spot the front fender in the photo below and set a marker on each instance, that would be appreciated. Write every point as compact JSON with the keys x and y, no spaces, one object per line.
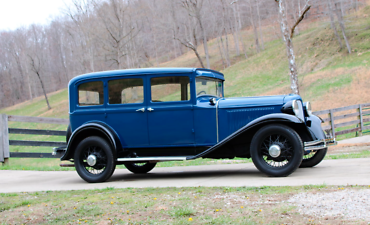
{"x":314,"y":126}
{"x":270,"y":118}
{"x":92,"y":129}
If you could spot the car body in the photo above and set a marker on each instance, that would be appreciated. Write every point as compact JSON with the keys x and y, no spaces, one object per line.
{"x":139,"y":117}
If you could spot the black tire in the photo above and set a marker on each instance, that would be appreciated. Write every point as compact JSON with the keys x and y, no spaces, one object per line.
{"x":140,"y":168}
{"x":291,"y":150}
{"x":105,"y":160}
{"x":314,"y":158}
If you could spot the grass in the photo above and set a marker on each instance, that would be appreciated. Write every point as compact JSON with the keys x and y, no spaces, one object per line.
{"x":355,"y":155}
{"x":193,"y":205}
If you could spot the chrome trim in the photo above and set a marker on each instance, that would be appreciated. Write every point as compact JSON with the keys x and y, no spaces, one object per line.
{"x":218,"y":138}
{"x":91,"y":160}
{"x":54,"y":151}
{"x":312,"y":148}
{"x":141,"y":110}
{"x":310,"y":143}
{"x":274,"y":151}
{"x":319,"y":144}
{"x":152,"y":159}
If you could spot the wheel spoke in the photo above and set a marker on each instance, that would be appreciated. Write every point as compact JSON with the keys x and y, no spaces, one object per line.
{"x":287,"y":151}
{"x":101,"y":160}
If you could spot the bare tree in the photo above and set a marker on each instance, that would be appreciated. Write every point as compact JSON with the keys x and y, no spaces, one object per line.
{"x":339,"y":13}
{"x":254,"y":26}
{"x":81,"y":13}
{"x":118,"y":28}
{"x":287,"y":37}
{"x":36,"y":56}
{"x":194,"y":8}
{"x":332,"y":22}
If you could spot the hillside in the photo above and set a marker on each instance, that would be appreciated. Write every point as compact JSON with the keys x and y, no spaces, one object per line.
{"x":328,"y":77}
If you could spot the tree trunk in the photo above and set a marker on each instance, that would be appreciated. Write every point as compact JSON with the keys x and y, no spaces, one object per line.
{"x":236,"y":32}
{"x":258,"y":49}
{"x":225,"y":49}
{"x":43,"y":90}
{"x":221,"y":53}
{"x":289,"y":48}
{"x":259,"y":26}
{"x":244,"y":47}
{"x":341,"y":24}
{"x":204,"y":43}
{"x":332,"y":23}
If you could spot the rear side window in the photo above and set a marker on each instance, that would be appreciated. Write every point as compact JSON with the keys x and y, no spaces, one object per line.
{"x":169,"y":89}
{"x":91,"y":93}
{"x":125,"y":91}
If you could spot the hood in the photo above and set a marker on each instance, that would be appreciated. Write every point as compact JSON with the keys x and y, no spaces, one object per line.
{"x":260,"y":101}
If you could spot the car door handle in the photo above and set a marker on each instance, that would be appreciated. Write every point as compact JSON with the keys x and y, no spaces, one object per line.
{"x":150,"y":109}
{"x":141,"y":110}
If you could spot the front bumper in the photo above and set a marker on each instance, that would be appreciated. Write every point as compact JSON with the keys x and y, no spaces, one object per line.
{"x":312,"y":146}
{"x":59,"y":151}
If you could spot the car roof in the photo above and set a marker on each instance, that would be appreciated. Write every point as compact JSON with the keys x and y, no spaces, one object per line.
{"x":144,"y":71}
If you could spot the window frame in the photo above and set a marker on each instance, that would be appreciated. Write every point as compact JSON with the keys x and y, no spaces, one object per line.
{"x":190,"y":91}
{"x":77,"y":96}
{"x":127,"y":77}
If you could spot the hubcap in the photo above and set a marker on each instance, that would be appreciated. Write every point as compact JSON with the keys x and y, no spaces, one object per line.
{"x":91,"y":160}
{"x":274,"y":151}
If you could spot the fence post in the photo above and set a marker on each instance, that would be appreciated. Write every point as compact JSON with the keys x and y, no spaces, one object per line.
{"x":361,"y":121}
{"x":4,"y":139}
{"x":332,"y":122}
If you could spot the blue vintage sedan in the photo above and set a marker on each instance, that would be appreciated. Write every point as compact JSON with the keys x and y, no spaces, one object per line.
{"x":139,"y":117}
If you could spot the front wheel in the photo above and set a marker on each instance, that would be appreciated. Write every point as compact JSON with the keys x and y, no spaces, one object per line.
{"x":94,"y":159}
{"x":313,"y":158}
{"x":140,"y":167}
{"x":276,"y":150}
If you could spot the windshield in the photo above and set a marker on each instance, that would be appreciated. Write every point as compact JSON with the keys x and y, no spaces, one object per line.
{"x":208,"y":86}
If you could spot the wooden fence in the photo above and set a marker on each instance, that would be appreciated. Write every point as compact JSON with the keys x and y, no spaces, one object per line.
{"x":344,"y":120}
{"x":357,"y":116}
{"x":5,"y":131}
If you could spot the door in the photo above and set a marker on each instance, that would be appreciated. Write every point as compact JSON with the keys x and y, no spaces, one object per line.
{"x":170,"y":111}
{"x":126,"y":110}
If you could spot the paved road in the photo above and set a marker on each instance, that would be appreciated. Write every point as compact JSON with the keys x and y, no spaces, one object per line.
{"x":330,"y":172}
{"x":356,"y":140}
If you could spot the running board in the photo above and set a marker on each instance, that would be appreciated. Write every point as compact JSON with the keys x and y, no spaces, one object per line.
{"x":152,"y":159}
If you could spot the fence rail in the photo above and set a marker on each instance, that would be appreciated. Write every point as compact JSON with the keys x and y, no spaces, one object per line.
{"x":5,"y":131}
{"x":332,"y":121}
{"x":347,"y":118}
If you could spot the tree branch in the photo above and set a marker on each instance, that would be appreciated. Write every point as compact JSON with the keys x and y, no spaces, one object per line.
{"x":307,"y":7}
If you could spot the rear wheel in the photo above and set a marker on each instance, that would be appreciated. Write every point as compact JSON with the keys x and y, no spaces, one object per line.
{"x":94,"y":160}
{"x":140,"y":167}
{"x":276,"y":150}
{"x":313,"y":158}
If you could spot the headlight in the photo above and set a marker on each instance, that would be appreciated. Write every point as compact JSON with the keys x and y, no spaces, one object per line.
{"x":307,"y":109}
{"x":294,"y":108}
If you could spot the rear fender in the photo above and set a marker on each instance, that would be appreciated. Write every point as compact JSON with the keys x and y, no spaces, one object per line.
{"x":247,"y":132}
{"x":92,"y":129}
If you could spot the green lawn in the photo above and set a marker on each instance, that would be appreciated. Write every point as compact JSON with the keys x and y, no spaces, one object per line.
{"x":191,"y":205}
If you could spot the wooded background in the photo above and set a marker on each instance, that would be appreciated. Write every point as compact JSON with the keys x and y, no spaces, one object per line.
{"x":93,"y":35}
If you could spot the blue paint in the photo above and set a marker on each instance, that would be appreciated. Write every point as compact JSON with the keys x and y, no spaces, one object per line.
{"x":191,"y":122}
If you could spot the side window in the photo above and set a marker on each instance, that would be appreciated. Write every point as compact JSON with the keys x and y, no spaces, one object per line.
{"x":169,"y":89}
{"x":91,"y":93}
{"x":125,"y":91}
